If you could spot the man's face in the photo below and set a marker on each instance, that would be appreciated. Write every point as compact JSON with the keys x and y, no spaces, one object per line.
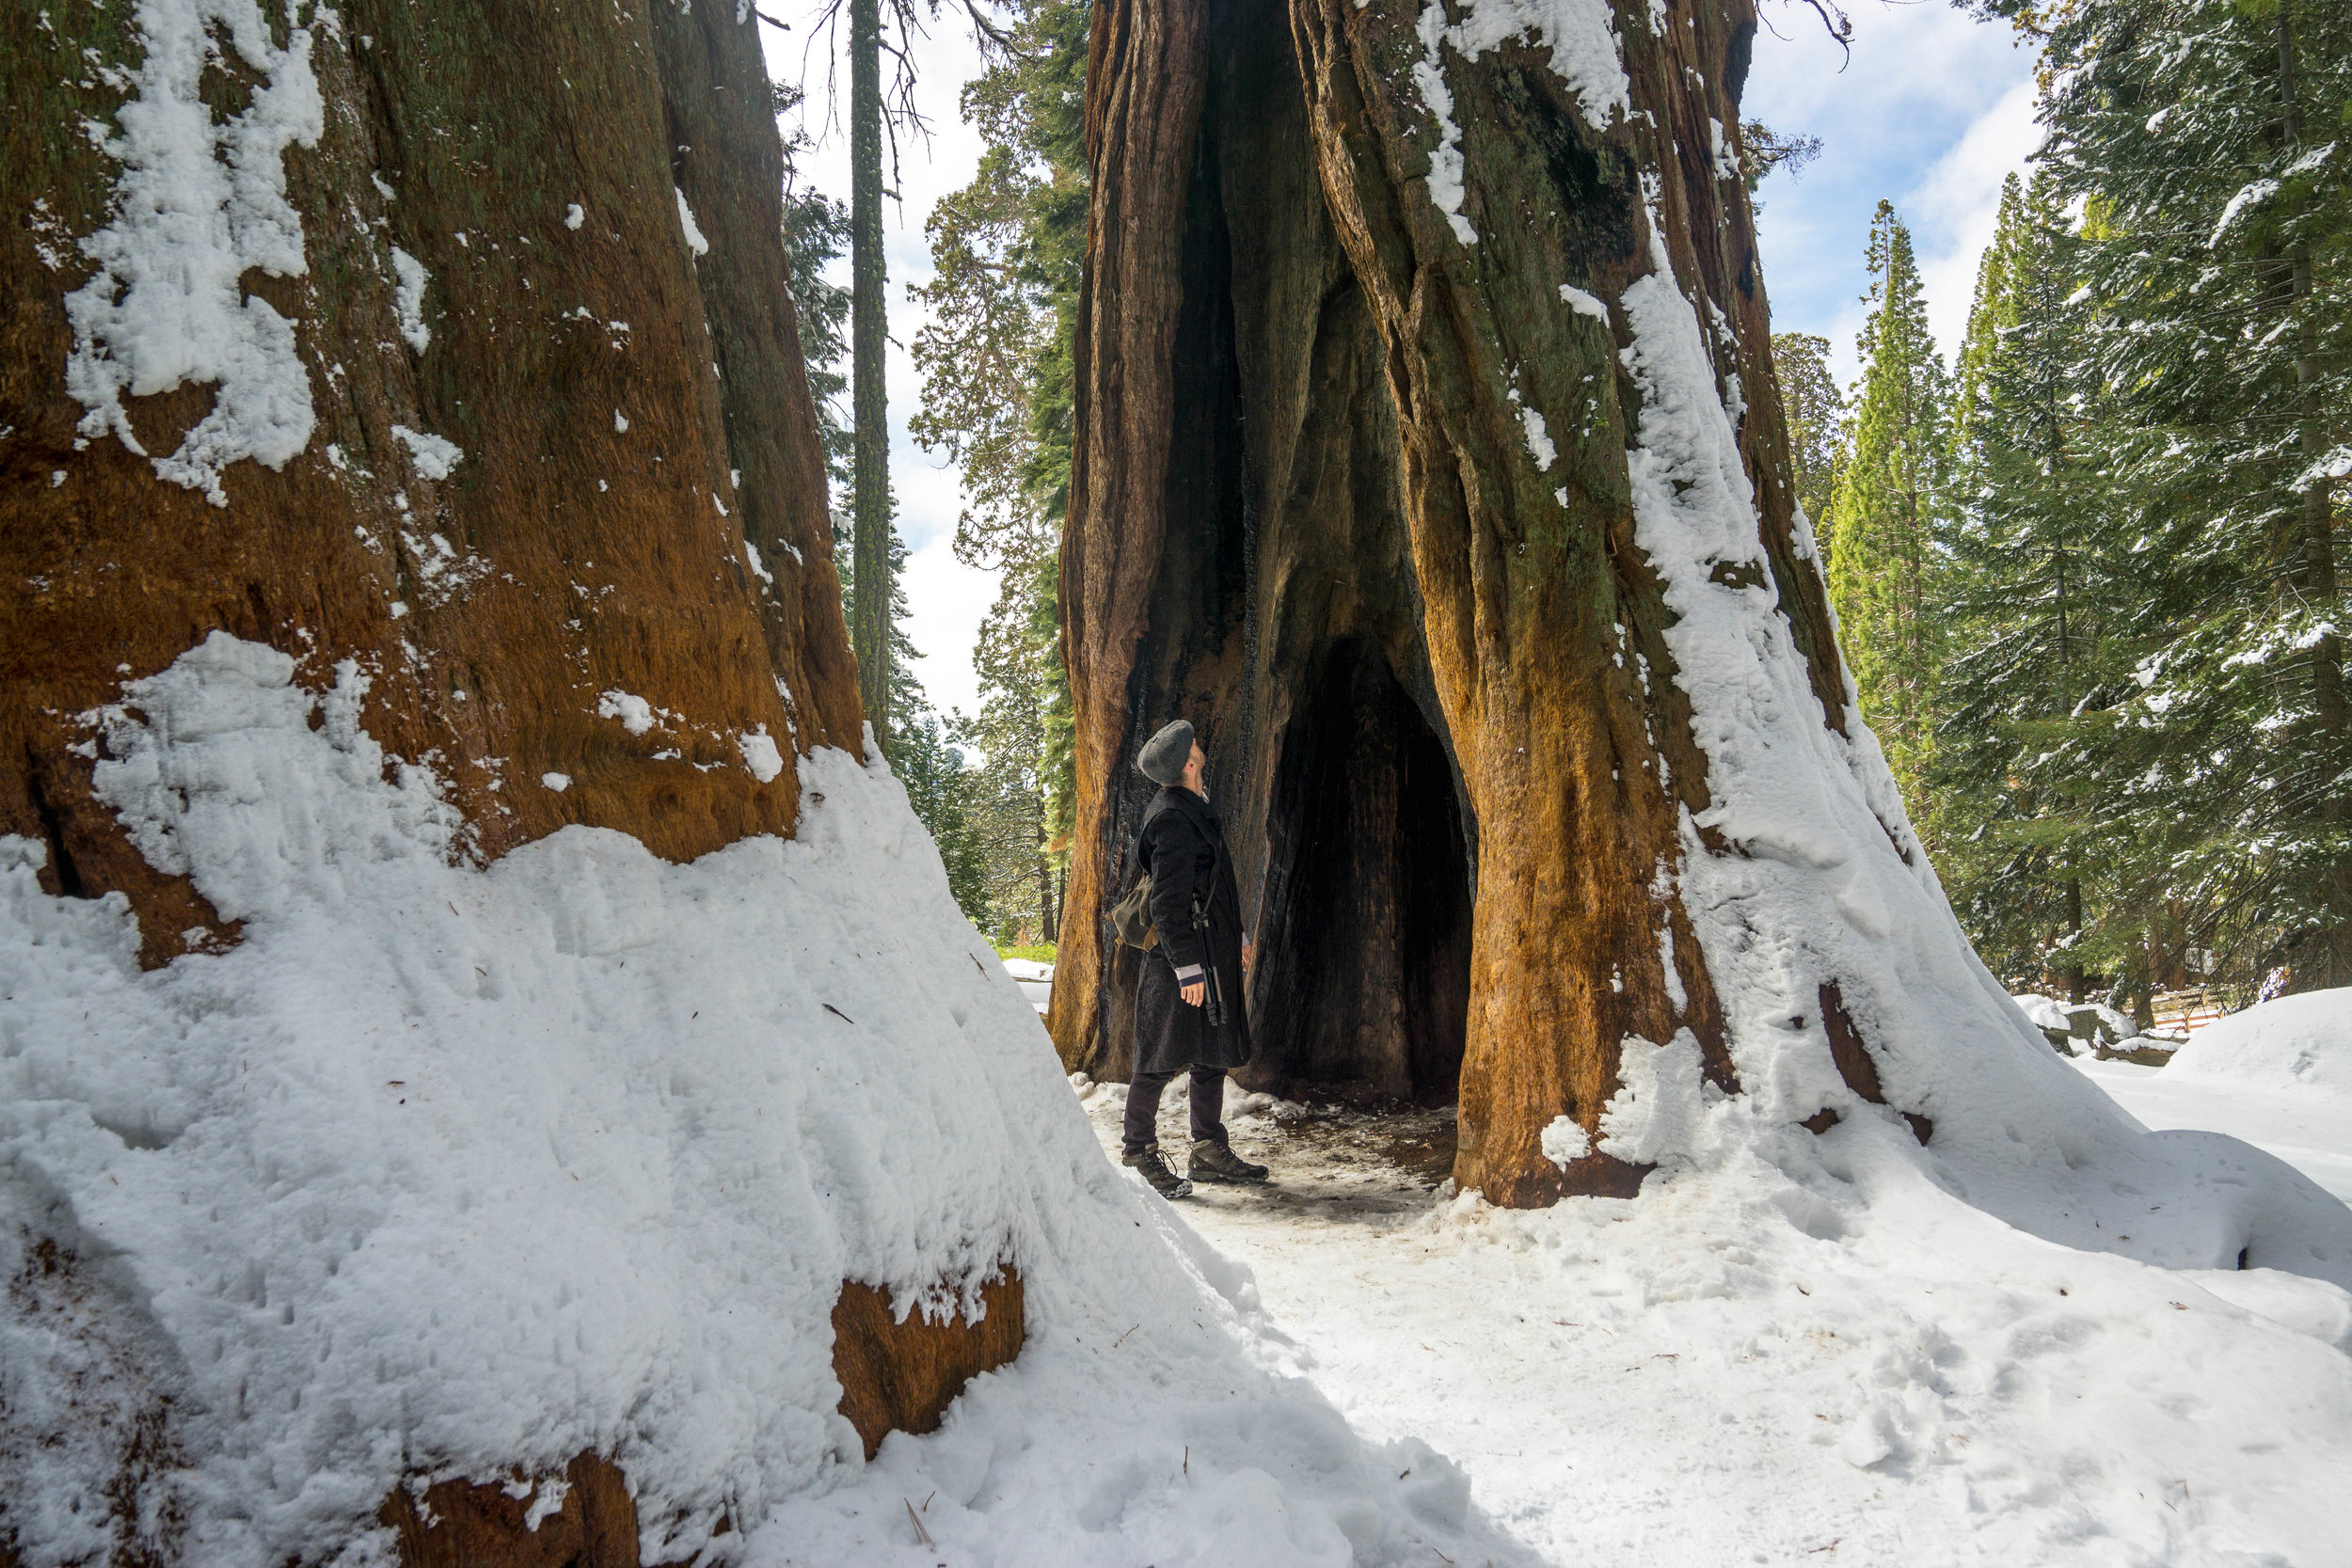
{"x":1200,"y":760}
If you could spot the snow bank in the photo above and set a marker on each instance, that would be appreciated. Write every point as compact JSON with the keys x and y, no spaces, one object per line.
{"x":1822,"y":882}
{"x":448,"y":1169}
{"x":2300,"y":1043}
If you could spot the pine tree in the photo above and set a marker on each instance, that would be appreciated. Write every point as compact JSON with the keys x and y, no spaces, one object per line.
{"x":997,"y":398}
{"x":925,"y":753}
{"x":1817,"y":425}
{"x":2027,"y":610}
{"x":815,"y":233}
{"x":1885,"y":519}
{"x":929,"y":762}
{"x":2207,"y":139}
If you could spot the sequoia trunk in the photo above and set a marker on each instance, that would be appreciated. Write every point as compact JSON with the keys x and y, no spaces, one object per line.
{"x":560,"y":260}
{"x":1364,"y":505}
{"x":456,"y":359}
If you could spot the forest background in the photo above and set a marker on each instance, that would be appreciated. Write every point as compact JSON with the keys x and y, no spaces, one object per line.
{"x":2077,"y":451}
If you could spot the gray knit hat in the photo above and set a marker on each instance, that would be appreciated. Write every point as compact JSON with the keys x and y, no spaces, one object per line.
{"x":1165,"y":754}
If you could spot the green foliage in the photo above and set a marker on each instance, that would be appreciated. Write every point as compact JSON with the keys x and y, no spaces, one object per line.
{"x":2030,"y":607}
{"x":1764,"y":150}
{"x":1817,"y":425}
{"x":816,"y":231}
{"x":1886,"y":515}
{"x":2205,"y":138}
{"x":926,"y":759}
{"x":997,"y":398}
{"x":2142,"y":745}
{"x":925,"y":752}
{"x":1036,"y":951}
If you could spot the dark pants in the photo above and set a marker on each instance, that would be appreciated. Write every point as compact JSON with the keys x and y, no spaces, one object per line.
{"x":1143,"y":1106}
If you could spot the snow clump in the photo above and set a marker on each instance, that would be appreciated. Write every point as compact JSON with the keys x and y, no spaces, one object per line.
{"x":2297,"y":1043}
{"x":408,"y":299}
{"x":635,"y":714}
{"x":434,"y":457}
{"x":1565,"y":1142}
{"x":693,"y":230}
{"x":198,"y":203}
{"x":760,"y":754}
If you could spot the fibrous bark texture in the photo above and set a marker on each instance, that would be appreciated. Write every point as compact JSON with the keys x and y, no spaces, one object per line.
{"x":584,"y":1518}
{"x":895,"y":1375}
{"x":538,"y":310}
{"x":480,"y":377}
{"x":1354,"y":495}
{"x":901,"y":1374}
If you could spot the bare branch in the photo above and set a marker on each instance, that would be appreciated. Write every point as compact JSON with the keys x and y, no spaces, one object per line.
{"x":990,"y":35}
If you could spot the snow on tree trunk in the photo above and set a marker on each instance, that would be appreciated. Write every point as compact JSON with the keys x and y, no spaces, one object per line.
{"x":1618,"y":630}
{"x":411,"y":456}
{"x":487,"y":377}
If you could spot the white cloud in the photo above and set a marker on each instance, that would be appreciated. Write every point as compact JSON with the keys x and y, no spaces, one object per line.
{"x":1953,"y":208}
{"x":1933,"y":111}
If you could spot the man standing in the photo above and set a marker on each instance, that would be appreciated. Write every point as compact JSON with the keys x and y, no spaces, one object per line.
{"x":1190,"y":1016}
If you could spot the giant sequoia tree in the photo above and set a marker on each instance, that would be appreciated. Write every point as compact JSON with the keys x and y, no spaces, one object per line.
{"x":438,"y":359}
{"x":1429,"y":458}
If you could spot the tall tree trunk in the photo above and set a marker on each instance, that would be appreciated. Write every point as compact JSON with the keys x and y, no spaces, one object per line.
{"x":1590,"y":286}
{"x":871,"y":577}
{"x":1542,"y":613}
{"x":1144,"y":65}
{"x":459,"y":588}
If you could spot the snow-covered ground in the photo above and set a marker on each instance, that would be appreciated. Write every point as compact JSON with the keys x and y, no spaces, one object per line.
{"x":460,"y":1170}
{"x":450,"y":1169}
{"x":2311,"y":1132}
{"x":1815,"y":1361}
{"x":2278,"y":1075}
{"x":1035,"y":979}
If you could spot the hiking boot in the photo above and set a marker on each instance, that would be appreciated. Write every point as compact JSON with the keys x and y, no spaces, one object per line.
{"x":1153,"y":1170}
{"x":1213,"y":1161}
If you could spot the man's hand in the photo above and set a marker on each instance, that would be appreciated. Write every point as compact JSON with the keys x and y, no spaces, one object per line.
{"x":1248,"y":953}
{"x":1196,"y":993}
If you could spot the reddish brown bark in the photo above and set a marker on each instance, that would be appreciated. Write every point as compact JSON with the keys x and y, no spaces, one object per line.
{"x":902,"y":1375}
{"x":1535,"y":645}
{"x":894,"y":1375}
{"x":581,"y":558}
{"x":462,"y":1524}
{"x":1141,"y":129}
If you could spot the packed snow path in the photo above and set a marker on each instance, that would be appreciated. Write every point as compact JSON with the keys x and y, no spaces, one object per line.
{"x":1728,"y":1372}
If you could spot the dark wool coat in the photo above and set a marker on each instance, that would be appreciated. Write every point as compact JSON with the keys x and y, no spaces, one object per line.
{"x":1182,"y":846}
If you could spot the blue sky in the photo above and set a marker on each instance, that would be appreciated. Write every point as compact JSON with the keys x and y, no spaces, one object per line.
{"x":1932,"y":112}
